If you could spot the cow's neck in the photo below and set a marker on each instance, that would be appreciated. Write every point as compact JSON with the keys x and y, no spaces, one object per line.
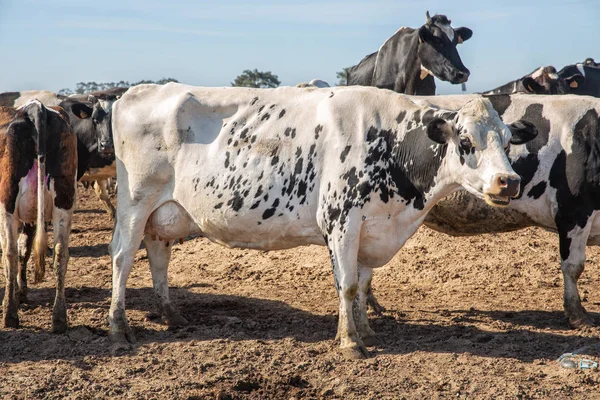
{"x":416,"y":165}
{"x":418,"y":81}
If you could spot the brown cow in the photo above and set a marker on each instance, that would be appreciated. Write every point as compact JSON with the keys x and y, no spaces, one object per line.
{"x":38,"y":168}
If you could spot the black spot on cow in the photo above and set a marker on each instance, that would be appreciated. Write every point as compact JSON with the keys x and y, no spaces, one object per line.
{"x":244,"y":133}
{"x":500,"y":102}
{"x":269,"y":212}
{"x":229,"y":141}
{"x":533,"y":114}
{"x":427,"y":117}
{"x":254,"y":100}
{"x":331,"y":95}
{"x":265,"y":117}
{"x":218,"y":206}
{"x":236,"y":202}
{"x":401,"y":116}
{"x":287,"y":132}
{"x":301,"y":188}
{"x":298,"y":167}
{"x":537,"y":190}
{"x":261,"y":108}
{"x":293,"y":133}
{"x":281,"y":113}
{"x":345,"y":153}
{"x":255,"y":205}
{"x":526,"y":167}
{"x":318,"y":129}
{"x":227,"y":159}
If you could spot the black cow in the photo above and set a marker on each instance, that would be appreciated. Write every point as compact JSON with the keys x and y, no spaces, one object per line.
{"x":581,"y":79}
{"x":94,"y":140}
{"x":544,"y":80}
{"x":408,"y":61}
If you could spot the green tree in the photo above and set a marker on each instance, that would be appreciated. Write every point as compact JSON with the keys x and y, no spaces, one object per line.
{"x":87,"y":87}
{"x":342,"y":77}
{"x":256,"y":79}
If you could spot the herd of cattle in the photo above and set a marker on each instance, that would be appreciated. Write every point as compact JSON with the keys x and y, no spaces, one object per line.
{"x":355,"y":168}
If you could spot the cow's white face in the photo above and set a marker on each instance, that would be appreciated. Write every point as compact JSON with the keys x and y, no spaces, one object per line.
{"x":477,"y":151}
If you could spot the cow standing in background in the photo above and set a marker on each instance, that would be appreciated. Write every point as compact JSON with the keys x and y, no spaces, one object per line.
{"x":560,"y":183}
{"x":408,"y":61}
{"x":355,"y":169}
{"x":18,"y":99}
{"x":581,"y":79}
{"x":544,"y":80}
{"x":38,"y":162}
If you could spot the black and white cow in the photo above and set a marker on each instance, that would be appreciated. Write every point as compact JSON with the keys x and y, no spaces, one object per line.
{"x":581,"y":79}
{"x":560,"y":182}
{"x":544,"y":80}
{"x":589,"y":62}
{"x":355,"y":169}
{"x":408,"y":61}
{"x":38,"y":164}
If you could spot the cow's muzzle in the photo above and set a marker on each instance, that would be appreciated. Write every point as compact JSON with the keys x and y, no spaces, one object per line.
{"x":503,"y":188}
{"x":106,"y":147}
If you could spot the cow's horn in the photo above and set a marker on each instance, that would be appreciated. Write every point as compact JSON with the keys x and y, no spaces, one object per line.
{"x":427,"y":18}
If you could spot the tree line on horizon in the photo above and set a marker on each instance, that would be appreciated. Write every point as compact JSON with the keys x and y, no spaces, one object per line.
{"x":248,"y":78}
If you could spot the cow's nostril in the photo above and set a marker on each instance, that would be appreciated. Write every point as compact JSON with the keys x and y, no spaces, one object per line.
{"x":502,"y":181}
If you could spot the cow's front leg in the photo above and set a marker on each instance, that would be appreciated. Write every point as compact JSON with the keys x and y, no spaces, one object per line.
{"x":159,"y":255}
{"x":343,"y":249}
{"x":368,"y":336}
{"x":8,"y":234}
{"x":25,"y":247}
{"x":572,"y":252}
{"x":62,"y":227}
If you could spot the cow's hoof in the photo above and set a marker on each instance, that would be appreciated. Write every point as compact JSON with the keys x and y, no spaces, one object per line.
{"x":11,"y":321}
{"x":59,"y":326}
{"x":372,"y":302}
{"x":371,"y":340}
{"x":581,"y":322}
{"x":122,"y":337}
{"x":355,"y":351}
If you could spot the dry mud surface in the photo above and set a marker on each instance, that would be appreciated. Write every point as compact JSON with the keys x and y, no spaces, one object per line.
{"x":475,"y":317}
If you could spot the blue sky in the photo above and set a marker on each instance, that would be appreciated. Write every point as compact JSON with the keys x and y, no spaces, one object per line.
{"x":53,"y":44}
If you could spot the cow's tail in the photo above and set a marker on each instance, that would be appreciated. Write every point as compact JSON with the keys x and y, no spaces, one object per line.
{"x":37,"y":115}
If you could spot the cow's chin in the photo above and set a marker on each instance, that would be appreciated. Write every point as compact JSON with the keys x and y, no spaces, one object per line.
{"x":496,"y":201}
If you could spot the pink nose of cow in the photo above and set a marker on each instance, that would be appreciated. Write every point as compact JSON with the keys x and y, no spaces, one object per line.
{"x":508,"y":185}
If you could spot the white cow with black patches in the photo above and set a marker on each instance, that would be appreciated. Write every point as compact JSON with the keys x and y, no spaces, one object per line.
{"x":355,"y":169}
{"x":560,"y":182}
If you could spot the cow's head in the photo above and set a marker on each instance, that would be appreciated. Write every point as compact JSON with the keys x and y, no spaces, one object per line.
{"x":544,"y":80}
{"x":589,"y":62}
{"x":437,"y":49}
{"x":477,"y":143}
{"x":95,"y":130}
{"x":573,"y":76}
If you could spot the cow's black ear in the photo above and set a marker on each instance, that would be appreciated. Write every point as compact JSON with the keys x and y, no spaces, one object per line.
{"x":81,"y":110}
{"x":439,"y":130}
{"x":531,"y":86}
{"x":463,"y":33}
{"x":425,"y":34}
{"x":574,"y":81}
{"x":522,"y":132}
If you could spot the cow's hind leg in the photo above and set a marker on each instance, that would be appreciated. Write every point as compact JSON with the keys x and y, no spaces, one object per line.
{"x":368,"y":336}
{"x":8,"y":233}
{"x":101,"y":189}
{"x":572,"y":252}
{"x":159,"y":255}
{"x":25,"y":247}
{"x":61,"y":221}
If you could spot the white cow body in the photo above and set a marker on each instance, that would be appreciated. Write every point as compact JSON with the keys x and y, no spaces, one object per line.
{"x":350,"y":168}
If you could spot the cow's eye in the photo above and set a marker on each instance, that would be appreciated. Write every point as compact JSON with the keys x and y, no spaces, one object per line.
{"x":465,"y":143}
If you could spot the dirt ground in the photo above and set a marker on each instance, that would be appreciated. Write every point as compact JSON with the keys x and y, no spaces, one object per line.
{"x":476,"y":317}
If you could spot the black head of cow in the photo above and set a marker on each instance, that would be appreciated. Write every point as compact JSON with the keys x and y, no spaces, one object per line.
{"x":437,"y":49}
{"x":480,"y":141}
{"x":92,"y":124}
{"x":544,"y":80}
{"x":589,"y":62}
{"x":573,"y":76}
